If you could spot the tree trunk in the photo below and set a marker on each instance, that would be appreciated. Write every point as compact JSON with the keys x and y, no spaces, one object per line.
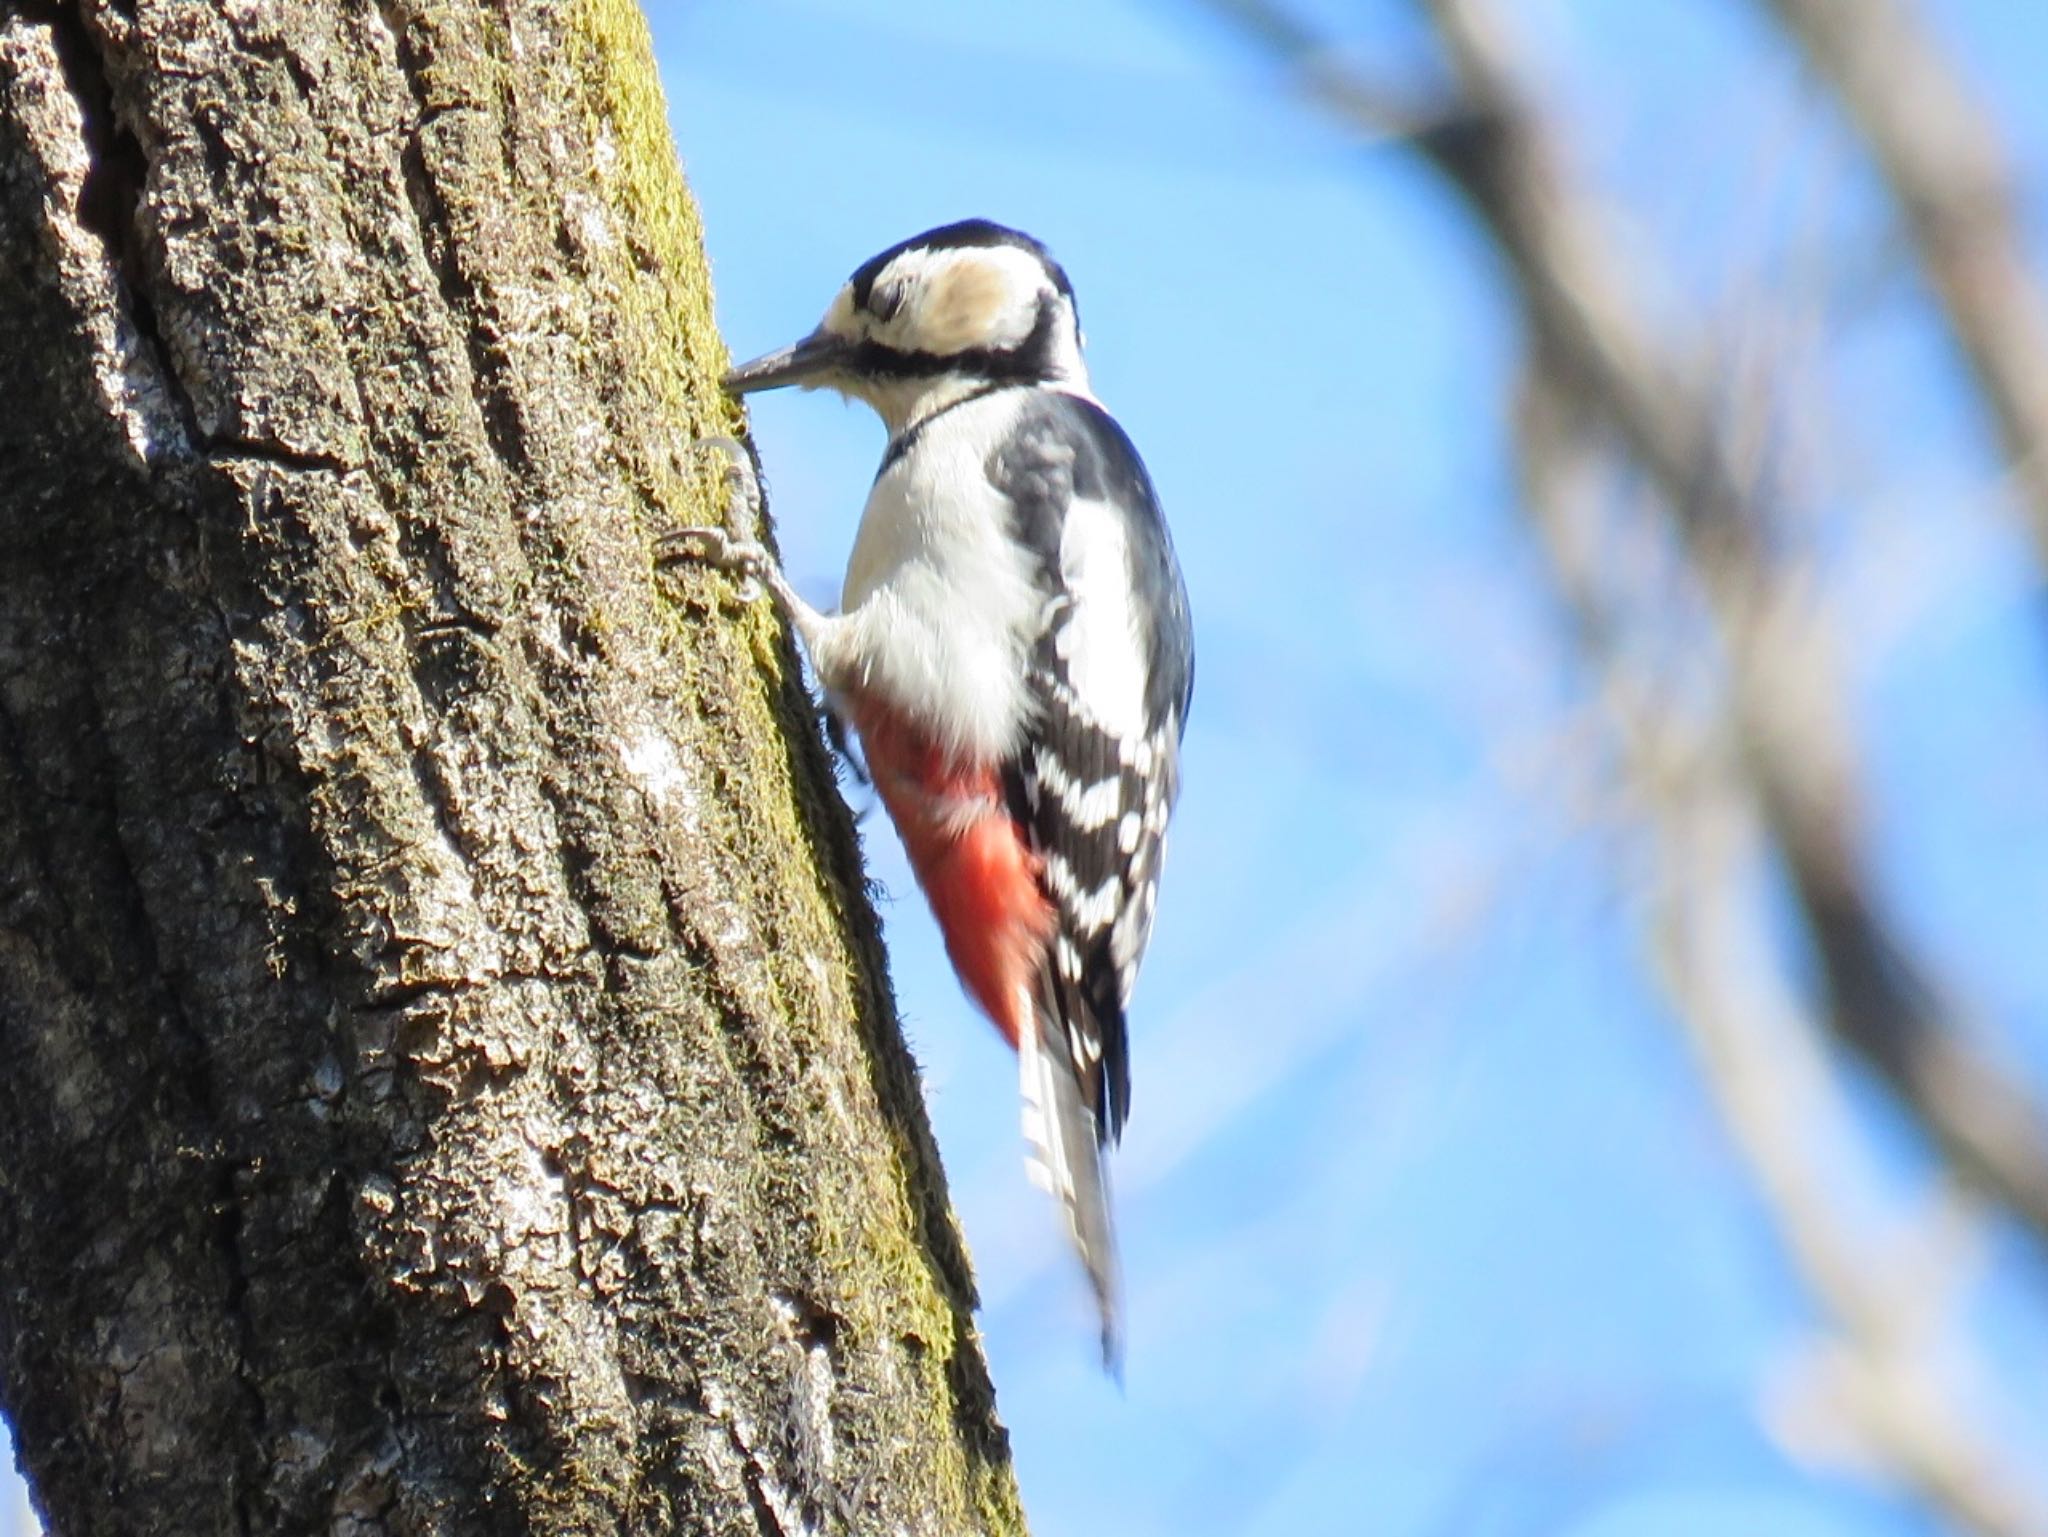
{"x":447,"y":1077}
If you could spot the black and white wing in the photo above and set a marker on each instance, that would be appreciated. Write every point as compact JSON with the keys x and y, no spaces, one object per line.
{"x":1094,"y":782}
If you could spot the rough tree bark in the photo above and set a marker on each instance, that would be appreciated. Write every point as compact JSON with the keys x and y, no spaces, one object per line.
{"x":447,"y":1078}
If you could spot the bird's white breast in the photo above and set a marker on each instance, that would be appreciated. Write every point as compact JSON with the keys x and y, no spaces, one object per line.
{"x":946,"y":602}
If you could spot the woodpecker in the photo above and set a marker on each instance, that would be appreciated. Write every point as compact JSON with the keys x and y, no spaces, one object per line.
{"x":1013,"y":649}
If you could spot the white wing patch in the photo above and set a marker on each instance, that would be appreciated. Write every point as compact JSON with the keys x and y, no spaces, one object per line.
{"x":1101,"y":639}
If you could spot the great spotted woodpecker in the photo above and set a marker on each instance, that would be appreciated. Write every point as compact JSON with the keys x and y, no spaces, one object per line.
{"x":1013,"y":648}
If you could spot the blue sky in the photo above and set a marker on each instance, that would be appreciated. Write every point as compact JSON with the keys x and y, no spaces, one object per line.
{"x":1428,"y":1226}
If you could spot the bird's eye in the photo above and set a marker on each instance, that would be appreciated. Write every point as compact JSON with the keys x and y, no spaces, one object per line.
{"x":883,"y":303}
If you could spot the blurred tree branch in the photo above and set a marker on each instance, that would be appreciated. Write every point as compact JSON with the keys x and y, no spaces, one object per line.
{"x":1774,"y":752}
{"x":1783,"y":691}
{"x":1756,"y":1045}
{"x":1784,"y":1111}
{"x":1939,"y":154}
{"x":1783,"y":688}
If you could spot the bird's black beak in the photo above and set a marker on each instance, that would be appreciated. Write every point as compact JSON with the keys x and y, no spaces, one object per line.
{"x":805,"y":363}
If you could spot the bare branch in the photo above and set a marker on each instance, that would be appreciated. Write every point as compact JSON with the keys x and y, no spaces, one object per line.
{"x":1585,"y":315}
{"x":1782,"y":1106}
{"x":1939,"y":154}
{"x":1757,"y":1047}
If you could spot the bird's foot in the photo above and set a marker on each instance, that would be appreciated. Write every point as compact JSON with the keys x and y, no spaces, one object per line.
{"x":746,"y":559}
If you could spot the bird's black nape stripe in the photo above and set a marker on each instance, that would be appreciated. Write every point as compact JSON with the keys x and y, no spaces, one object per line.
{"x":906,"y":440}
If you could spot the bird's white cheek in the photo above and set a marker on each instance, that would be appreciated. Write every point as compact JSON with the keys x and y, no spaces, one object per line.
{"x":960,"y":309}
{"x":839,"y":318}
{"x":965,"y":305}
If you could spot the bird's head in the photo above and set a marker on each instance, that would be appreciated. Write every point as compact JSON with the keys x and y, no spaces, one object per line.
{"x":940,"y":316}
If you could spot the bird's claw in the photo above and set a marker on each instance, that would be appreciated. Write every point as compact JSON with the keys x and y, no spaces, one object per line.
{"x":742,"y":559}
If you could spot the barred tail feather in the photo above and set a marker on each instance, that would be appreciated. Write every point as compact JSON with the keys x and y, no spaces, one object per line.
{"x":1063,"y":1156}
